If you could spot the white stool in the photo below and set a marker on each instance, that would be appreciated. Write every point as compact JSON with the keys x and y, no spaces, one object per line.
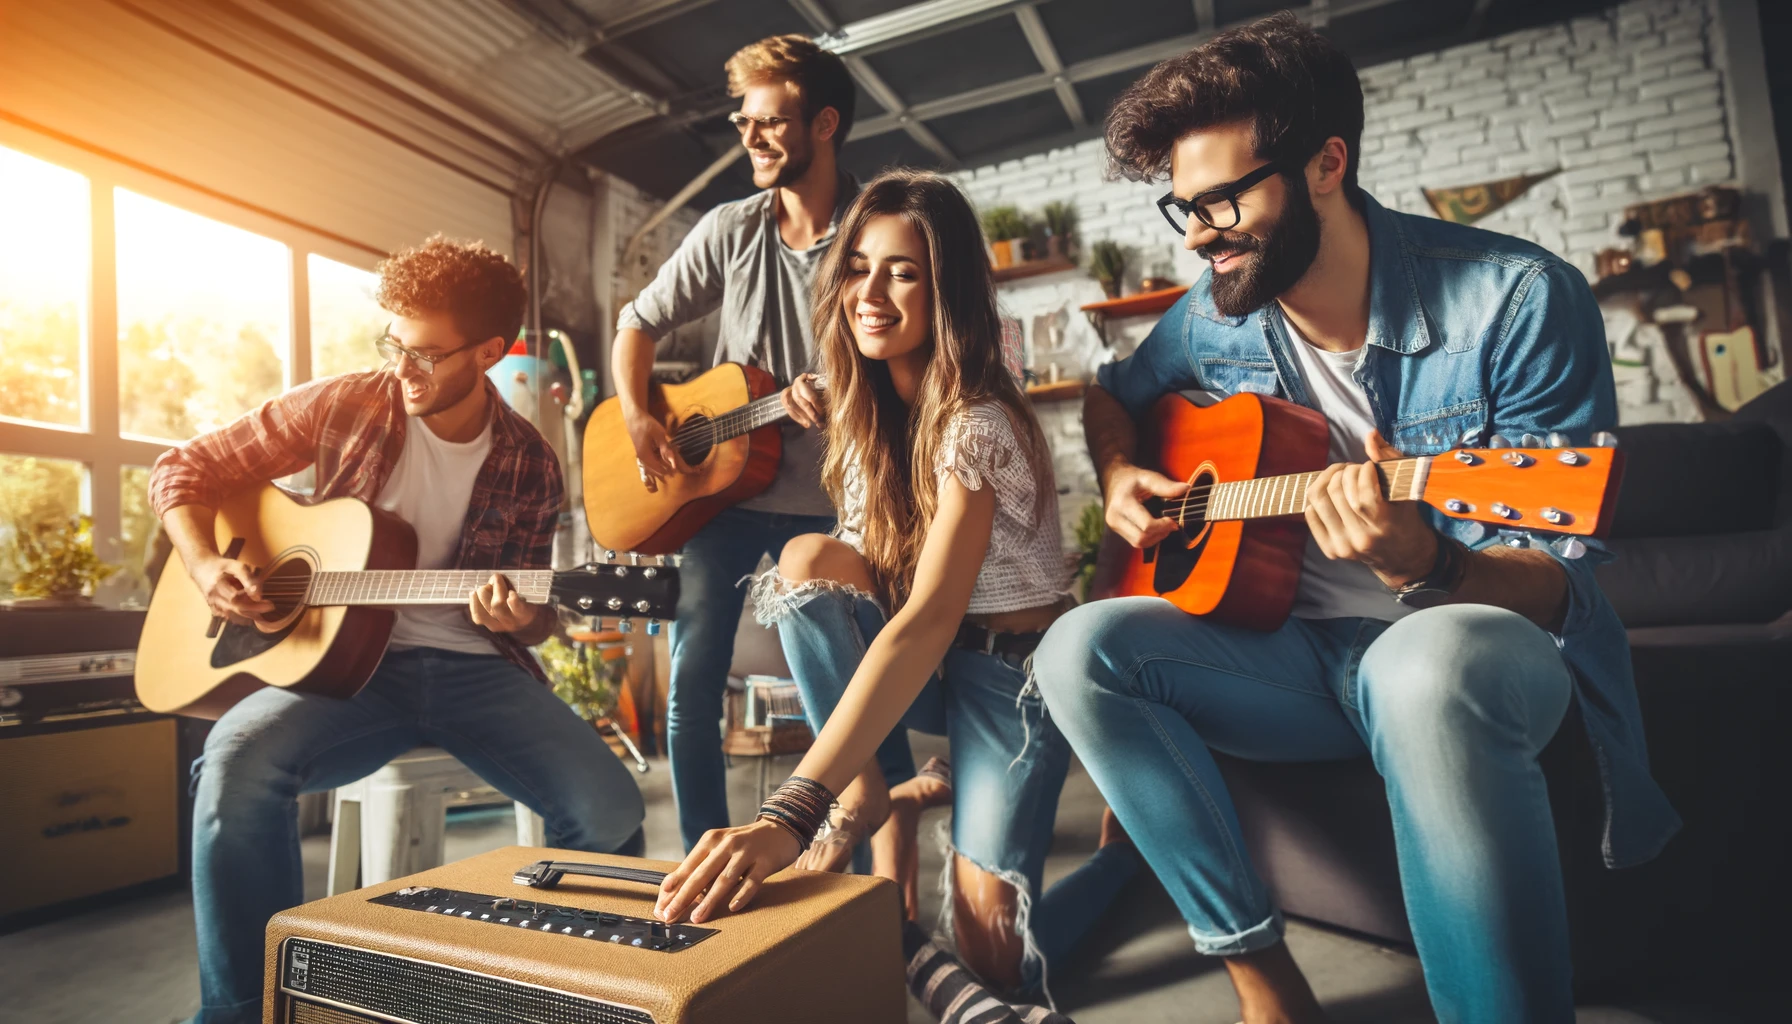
{"x":389,"y":824}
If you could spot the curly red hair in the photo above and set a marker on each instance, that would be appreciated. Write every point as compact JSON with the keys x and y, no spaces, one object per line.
{"x":480,"y":290}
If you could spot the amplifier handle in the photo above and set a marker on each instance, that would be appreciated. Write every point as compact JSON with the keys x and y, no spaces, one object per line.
{"x":546,"y":874}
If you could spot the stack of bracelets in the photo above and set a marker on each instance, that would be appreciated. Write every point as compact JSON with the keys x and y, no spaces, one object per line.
{"x":799,"y":807}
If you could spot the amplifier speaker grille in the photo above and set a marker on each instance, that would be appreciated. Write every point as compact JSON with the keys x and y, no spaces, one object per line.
{"x":425,"y":993}
{"x":300,"y":1012}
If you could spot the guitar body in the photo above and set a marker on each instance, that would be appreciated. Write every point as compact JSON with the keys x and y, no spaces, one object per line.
{"x":330,"y":650}
{"x":1241,"y":572}
{"x":624,"y":515}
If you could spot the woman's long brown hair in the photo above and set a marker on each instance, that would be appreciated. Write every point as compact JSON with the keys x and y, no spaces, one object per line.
{"x":897,"y":446}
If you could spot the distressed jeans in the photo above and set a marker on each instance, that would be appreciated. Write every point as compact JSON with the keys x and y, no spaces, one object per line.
{"x":1453,"y":704}
{"x":1008,"y":762}
{"x":491,"y":715}
{"x":710,"y":599}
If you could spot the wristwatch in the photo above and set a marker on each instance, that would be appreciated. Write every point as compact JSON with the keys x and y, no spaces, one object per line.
{"x":1440,"y":584}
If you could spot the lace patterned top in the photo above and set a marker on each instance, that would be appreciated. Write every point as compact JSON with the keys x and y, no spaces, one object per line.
{"x":1024,"y":567}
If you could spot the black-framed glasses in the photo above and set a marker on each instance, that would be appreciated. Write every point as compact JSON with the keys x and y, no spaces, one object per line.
{"x":1217,"y":207}
{"x":771,"y":124}
{"x":389,"y":348}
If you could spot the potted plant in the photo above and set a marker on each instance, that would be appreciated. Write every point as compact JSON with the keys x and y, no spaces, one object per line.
{"x":1060,"y":228}
{"x":56,"y":563}
{"x":1107,"y":265}
{"x":586,"y":676}
{"x":1089,"y":528}
{"x":1004,"y":227}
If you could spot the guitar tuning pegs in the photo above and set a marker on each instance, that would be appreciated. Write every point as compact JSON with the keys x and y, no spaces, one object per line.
{"x":1469,"y":437}
{"x":634,"y":558}
{"x":653,"y":627}
{"x":1498,"y":441}
{"x":1569,"y":547}
{"x":1529,"y":440}
{"x":625,"y":626}
{"x":1605,"y":439}
{"x":609,"y":556}
{"x":1515,"y":538}
{"x":597,"y":624}
{"x":1557,"y":439}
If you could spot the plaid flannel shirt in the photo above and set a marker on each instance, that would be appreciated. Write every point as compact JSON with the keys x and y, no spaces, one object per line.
{"x":352,"y":429}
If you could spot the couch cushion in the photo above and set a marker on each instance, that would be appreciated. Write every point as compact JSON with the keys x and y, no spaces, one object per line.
{"x":1721,"y":578}
{"x":1690,"y":479}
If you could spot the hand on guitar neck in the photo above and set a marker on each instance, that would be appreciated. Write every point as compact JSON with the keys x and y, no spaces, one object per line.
{"x":1352,"y":519}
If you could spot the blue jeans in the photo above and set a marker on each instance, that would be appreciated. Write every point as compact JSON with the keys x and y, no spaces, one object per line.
{"x":1008,"y":763}
{"x":702,"y":641}
{"x":509,"y":729}
{"x":1453,"y":704}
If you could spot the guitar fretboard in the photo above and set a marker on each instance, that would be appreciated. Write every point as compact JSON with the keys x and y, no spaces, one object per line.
{"x":748,"y":418}
{"x":420,"y":586}
{"x":1401,"y":480}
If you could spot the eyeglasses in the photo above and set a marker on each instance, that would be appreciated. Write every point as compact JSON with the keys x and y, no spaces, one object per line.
{"x":1217,"y":207}
{"x":389,"y":347}
{"x":770,"y":125}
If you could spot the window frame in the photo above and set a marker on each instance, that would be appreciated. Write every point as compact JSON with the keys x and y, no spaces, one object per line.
{"x":98,"y":444}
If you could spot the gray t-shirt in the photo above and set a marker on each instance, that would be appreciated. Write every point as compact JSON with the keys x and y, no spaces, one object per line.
{"x":735,"y":260}
{"x":1334,"y":588}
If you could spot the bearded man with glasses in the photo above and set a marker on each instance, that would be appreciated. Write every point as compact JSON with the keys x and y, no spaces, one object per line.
{"x":1448,"y":657}
{"x":428,"y":439}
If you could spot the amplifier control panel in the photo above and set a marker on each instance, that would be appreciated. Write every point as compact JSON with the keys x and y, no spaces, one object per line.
{"x":535,"y":915}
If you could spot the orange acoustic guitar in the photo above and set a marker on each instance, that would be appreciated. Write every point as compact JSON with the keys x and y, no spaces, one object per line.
{"x":1248,"y":461}
{"x":334,"y":571}
{"x":723,"y":423}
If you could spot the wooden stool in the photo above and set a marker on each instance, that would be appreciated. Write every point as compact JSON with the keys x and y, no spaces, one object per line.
{"x":390,"y":823}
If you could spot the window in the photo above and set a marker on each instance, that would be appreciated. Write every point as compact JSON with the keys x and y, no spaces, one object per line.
{"x":203,"y":320}
{"x":345,"y":319}
{"x":34,"y":491}
{"x":45,"y":236}
{"x":185,"y":324}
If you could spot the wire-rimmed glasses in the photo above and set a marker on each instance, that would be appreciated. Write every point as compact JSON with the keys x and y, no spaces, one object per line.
{"x":1217,"y":207}
{"x":389,"y":349}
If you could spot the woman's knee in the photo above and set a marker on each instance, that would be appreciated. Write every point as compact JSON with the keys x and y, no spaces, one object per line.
{"x":816,"y":556}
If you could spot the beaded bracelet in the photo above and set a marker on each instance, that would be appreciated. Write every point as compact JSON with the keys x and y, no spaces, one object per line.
{"x":799,"y":806}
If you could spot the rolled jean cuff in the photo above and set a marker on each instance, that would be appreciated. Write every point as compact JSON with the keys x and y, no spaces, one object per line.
{"x":774,"y":597}
{"x":1259,"y":936}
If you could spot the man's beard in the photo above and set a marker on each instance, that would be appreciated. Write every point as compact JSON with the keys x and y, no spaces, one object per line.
{"x":1281,"y":257}
{"x":796,"y":164}
{"x":449,"y":393}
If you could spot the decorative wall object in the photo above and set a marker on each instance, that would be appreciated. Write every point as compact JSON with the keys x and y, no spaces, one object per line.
{"x":1466,"y":204}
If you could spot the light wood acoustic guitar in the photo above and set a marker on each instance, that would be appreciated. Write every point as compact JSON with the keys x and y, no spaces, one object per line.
{"x":723,"y":424}
{"x":1248,"y":460}
{"x":334,"y":571}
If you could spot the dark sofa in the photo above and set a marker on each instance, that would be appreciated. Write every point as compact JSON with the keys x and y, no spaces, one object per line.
{"x":1703,"y":579}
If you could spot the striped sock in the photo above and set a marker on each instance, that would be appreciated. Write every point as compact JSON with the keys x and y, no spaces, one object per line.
{"x":953,"y":994}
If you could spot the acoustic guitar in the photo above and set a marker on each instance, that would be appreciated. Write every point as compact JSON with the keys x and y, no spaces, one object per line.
{"x":1248,"y":460}
{"x":334,"y":571}
{"x":722,"y":423}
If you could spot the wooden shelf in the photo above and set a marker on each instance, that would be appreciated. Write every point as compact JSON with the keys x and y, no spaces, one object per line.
{"x":1062,"y":391}
{"x":1031,"y":268}
{"x":1139,"y":304}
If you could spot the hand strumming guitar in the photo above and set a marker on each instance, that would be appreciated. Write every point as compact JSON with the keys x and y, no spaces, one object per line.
{"x":232,"y":590}
{"x":654,"y":451}
{"x":1352,"y":520}
{"x":1127,"y":488}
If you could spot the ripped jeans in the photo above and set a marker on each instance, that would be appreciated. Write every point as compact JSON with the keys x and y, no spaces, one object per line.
{"x":1009,"y":760}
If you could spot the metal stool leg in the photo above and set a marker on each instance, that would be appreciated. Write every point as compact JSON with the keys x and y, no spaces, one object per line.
{"x":634,"y":752}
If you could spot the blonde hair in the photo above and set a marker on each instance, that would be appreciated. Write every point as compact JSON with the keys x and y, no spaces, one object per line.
{"x":896,"y":447}
{"x":820,"y":77}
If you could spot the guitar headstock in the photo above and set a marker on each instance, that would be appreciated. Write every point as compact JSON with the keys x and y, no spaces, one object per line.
{"x":637,"y":588}
{"x":1558,"y":490}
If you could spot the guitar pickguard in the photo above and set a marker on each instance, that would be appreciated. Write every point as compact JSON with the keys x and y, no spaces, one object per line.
{"x":1176,"y":558}
{"x":240,"y":643}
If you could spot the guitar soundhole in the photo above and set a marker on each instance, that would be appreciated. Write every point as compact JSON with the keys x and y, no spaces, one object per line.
{"x":283,"y":587}
{"x":696,"y":439}
{"x":1175,"y":558}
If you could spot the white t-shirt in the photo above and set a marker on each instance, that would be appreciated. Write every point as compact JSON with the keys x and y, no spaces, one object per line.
{"x":430,"y":488}
{"x":1329,"y":588}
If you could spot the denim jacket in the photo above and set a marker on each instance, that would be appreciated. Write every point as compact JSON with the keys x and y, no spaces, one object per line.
{"x":1471,"y":333}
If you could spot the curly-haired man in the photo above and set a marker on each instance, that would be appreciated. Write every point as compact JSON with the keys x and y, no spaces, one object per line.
{"x":428,"y":439}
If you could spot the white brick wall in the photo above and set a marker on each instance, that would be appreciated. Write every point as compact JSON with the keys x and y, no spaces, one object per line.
{"x":1629,"y":104}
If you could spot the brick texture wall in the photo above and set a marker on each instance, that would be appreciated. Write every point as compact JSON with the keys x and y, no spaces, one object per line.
{"x":1629,"y":104}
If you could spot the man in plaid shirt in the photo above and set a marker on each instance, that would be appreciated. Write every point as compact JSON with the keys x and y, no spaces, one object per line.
{"x":428,"y":439}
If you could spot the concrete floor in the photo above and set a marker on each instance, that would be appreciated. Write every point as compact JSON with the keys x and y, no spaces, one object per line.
{"x":136,"y":962}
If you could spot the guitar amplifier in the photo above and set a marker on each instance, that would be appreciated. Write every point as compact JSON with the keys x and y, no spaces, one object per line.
{"x":508,"y":938}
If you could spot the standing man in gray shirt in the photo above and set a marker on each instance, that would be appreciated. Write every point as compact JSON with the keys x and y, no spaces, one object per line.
{"x":755,"y":260}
